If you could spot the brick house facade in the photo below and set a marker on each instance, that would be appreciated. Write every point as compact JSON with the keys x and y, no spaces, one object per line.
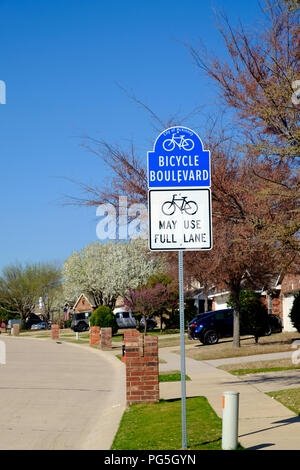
{"x":290,"y":285}
{"x":83,"y":304}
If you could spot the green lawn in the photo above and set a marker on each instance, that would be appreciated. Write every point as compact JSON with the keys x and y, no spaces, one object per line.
{"x":253,"y":367}
{"x":289,"y":398}
{"x":118,"y":337}
{"x":163,"y":332}
{"x":263,"y":369}
{"x":171,"y":376}
{"x":157,"y":426}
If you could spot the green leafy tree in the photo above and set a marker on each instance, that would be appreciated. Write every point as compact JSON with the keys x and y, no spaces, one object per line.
{"x":21,"y":287}
{"x":190,"y":311}
{"x":295,"y":312}
{"x":104,"y":318}
{"x":7,"y":315}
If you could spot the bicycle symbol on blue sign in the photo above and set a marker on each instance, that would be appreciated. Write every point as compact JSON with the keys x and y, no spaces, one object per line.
{"x":180,"y":141}
{"x":178,"y":160}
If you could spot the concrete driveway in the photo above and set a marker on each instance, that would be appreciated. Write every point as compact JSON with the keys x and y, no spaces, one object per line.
{"x":59,"y":396}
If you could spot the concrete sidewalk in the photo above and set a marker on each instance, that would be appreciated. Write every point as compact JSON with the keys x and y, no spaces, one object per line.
{"x":263,"y":422}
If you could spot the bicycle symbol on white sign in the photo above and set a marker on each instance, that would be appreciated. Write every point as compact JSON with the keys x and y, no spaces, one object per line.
{"x":180,"y":141}
{"x":189,"y":207}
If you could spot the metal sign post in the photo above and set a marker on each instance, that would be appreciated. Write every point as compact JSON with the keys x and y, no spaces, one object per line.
{"x":182,"y":350}
{"x":179,"y":203}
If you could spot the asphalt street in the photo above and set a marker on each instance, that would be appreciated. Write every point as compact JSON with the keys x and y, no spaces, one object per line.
{"x":59,"y":396}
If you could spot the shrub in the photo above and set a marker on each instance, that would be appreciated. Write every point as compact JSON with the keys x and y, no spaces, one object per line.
{"x":190,"y":310}
{"x":104,"y":318}
{"x":295,"y":312}
{"x":173,"y":320}
{"x":254,"y":317}
{"x":68,"y":323}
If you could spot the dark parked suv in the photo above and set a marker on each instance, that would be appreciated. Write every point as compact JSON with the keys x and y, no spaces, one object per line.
{"x":81,"y":321}
{"x":209,"y":327}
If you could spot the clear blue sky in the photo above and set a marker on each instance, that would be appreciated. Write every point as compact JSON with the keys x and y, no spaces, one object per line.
{"x":61,"y":61}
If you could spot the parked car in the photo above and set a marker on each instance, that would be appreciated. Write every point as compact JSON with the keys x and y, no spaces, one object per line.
{"x":151,"y":323}
{"x":125,"y":319}
{"x":81,"y":321}
{"x":13,"y":321}
{"x":32,"y":319}
{"x":39,"y":326}
{"x":209,"y":327}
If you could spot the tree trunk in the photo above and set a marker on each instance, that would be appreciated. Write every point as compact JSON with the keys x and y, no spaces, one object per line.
{"x":23,"y":320}
{"x":236,"y":328}
{"x":236,"y":317}
{"x":269,"y":295}
{"x":205,"y":301}
{"x":205,"y":292}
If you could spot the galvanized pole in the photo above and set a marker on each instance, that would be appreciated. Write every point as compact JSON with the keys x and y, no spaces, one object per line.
{"x":182,"y":350}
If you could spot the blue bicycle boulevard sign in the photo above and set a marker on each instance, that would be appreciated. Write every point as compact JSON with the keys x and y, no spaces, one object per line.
{"x":178,"y":160}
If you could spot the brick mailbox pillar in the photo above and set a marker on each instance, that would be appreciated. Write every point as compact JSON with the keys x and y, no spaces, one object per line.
{"x":106,"y":339}
{"x":94,"y":335}
{"x":141,"y":368}
{"x":54,"y":331}
{"x":16,"y":329}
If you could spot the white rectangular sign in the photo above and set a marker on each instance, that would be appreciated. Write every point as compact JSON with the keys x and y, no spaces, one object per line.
{"x":180,"y":219}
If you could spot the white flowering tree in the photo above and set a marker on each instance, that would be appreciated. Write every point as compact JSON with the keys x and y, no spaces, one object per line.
{"x":104,"y":271}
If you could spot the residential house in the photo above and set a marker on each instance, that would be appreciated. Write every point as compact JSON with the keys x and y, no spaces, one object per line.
{"x":279,"y":301}
{"x":84,"y":304}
